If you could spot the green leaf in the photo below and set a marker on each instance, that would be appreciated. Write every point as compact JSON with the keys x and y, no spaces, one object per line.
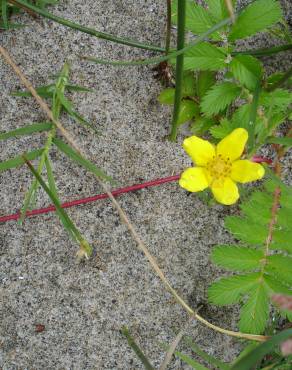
{"x":18,"y":161}
{"x":189,"y":84}
{"x":255,"y":312}
{"x":282,"y":240}
{"x":45,"y":91}
{"x":230,"y":290}
{"x":65,"y":219}
{"x":26,"y":130}
{"x":218,"y":9}
{"x":257,"y":16}
{"x":190,"y":361}
{"x":219,"y":97}
{"x":237,"y":258}
{"x":284,"y":216}
{"x":258,"y":208}
{"x":285,"y":141}
{"x":204,"y":56}
{"x":205,"y":80}
{"x":246,"y":230}
{"x":247,"y":70}
{"x":223,"y":129}
{"x":4,"y":6}
{"x":72,"y":154}
{"x":276,"y":286}
{"x":167,"y":96}
{"x":201,"y":125}
{"x":280,"y":266}
{"x":51,"y":179}
{"x":198,"y":20}
{"x":278,"y":98}
{"x":254,"y":357}
{"x":188,"y":109}
{"x":78,"y":88}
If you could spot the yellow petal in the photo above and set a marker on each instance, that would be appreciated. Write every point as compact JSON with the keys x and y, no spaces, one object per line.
{"x":201,"y":151}
{"x":246,"y":171}
{"x":225,"y":192}
{"x":194,"y":179}
{"x":232,"y":145}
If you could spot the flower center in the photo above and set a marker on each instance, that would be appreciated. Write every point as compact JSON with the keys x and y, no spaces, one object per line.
{"x":219,"y":167}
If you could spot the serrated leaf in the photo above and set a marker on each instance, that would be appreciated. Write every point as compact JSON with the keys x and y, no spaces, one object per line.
{"x":284,"y":216}
{"x":246,"y":230}
{"x":278,"y":98}
{"x":218,"y":9}
{"x":247,"y":70}
{"x":275,"y":285}
{"x":204,"y":56}
{"x":18,"y":161}
{"x":258,"y":208}
{"x":205,"y":80}
{"x":198,"y":20}
{"x":26,"y":130}
{"x":219,"y":97}
{"x":167,"y":96}
{"x":72,"y":154}
{"x":257,"y":16}
{"x":189,"y":84}
{"x":230,"y":290}
{"x":188,"y":110}
{"x":223,"y":129}
{"x":282,"y":239}
{"x":201,"y":125}
{"x":280,"y":266}
{"x":255,"y":312}
{"x":237,"y":258}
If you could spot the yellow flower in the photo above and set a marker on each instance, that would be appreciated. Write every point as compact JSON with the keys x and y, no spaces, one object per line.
{"x":219,"y":168}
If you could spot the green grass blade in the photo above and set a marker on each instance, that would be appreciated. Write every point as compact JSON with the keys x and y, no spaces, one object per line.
{"x":27,"y":130}
{"x":78,"y":88}
{"x":90,"y":31}
{"x":136,"y":349}
{"x":18,"y":161}
{"x":45,"y":91}
{"x":4,"y":6}
{"x":65,"y":219}
{"x":72,"y":154}
{"x":205,"y":356}
{"x":190,"y":361}
{"x":253,"y":357}
{"x":51,"y":179}
{"x":157,"y":60}
{"x":181,"y":16}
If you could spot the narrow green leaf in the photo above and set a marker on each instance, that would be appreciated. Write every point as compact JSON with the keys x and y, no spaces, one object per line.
{"x":255,"y":312}
{"x":190,"y":361}
{"x":285,"y":141}
{"x":189,"y":84}
{"x":253,"y":357}
{"x":205,"y":356}
{"x":4,"y":6}
{"x":205,"y":80}
{"x":188,"y":110}
{"x":78,"y":88}
{"x":247,"y":70}
{"x":45,"y":91}
{"x":18,"y":161}
{"x":237,"y":258}
{"x":257,"y":16}
{"x":65,"y":219}
{"x":72,"y":154}
{"x":219,"y":97}
{"x":246,"y":230}
{"x":166,"y":96}
{"x":51,"y":179}
{"x":230,"y":290}
{"x":26,"y":130}
{"x":204,"y":56}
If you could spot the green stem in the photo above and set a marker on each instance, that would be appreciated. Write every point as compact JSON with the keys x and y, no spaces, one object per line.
{"x":90,"y":31}
{"x":171,"y":55}
{"x":168,"y":26}
{"x":264,"y":51}
{"x":282,"y":80}
{"x":181,"y":18}
{"x":252,"y":118}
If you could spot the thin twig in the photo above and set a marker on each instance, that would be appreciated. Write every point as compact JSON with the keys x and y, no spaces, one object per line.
{"x":123,"y":216}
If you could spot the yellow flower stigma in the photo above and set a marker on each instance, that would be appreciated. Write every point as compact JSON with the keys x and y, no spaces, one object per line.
{"x":219,"y":167}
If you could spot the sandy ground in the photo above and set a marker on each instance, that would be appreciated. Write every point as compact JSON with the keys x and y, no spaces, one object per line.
{"x":83,"y":306}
